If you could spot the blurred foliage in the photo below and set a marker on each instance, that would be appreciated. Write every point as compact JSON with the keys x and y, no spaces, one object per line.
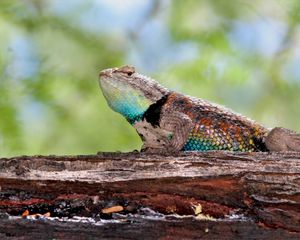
{"x":242,"y":54}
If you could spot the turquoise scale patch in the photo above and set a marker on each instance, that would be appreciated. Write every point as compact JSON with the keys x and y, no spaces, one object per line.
{"x":134,"y":119}
{"x":194,"y":144}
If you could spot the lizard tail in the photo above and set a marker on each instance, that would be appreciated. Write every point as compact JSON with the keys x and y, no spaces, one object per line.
{"x":281,"y":139}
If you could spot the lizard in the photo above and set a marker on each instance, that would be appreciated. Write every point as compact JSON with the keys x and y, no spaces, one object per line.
{"x":168,"y":121}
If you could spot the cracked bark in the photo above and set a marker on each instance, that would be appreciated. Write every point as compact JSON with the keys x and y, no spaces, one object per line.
{"x":264,"y":188}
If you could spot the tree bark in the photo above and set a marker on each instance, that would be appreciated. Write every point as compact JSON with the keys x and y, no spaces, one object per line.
{"x":235,"y":195}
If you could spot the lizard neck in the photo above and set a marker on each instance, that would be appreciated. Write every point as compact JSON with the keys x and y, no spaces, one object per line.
{"x":152,"y":114}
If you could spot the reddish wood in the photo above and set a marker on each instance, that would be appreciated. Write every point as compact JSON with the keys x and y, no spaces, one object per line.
{"x":262,"y":187}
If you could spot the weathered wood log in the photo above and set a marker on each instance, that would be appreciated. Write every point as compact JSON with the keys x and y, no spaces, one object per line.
{"x":260,"y":190}
{"x":140,"y":228}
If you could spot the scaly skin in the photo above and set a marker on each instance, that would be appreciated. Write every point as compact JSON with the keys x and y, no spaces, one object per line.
{"x":216,"y":128}
{"x":168,"y":121}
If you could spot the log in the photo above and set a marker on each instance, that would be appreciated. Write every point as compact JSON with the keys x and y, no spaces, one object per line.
{"x":211,"y":195}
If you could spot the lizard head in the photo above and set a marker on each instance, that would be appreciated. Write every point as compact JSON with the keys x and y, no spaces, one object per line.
{"x":128,"y":92}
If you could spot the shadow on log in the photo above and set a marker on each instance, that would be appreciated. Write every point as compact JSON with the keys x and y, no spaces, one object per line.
{"x":225,"y":195}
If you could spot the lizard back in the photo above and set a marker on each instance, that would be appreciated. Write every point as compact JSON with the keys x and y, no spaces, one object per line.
{"x":217,"y":128}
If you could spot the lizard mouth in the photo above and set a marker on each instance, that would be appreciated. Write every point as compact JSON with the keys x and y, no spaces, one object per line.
{"x":106,"y":73}
{"x":106,"y":80}
{"x":116,"y":79}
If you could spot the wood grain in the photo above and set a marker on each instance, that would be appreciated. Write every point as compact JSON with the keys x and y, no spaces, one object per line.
{"x":263,"y":188}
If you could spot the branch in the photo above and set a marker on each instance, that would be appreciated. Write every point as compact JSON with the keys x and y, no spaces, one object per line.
{"x":261,"y":188}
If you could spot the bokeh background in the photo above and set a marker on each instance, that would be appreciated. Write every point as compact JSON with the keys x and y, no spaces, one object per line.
{"x":242,"y":54}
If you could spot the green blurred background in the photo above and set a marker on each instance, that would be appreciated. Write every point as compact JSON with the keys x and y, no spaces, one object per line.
{"x":242,"y":54}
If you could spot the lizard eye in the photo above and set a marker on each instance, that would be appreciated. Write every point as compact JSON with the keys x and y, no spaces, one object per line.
{"x":128,"y":70}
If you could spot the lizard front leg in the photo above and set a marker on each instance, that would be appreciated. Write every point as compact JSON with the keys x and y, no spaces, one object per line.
{"x":180,"y":125}
{"x":155,"y":140}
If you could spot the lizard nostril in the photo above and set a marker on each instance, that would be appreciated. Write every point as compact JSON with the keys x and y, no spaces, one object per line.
{"x":104,"y":73}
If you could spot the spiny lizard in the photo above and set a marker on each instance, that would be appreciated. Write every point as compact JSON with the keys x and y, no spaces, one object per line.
{"x":168,"y":121}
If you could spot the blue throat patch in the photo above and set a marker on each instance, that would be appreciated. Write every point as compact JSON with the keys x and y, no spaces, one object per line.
{"x":126,"y":100}
{"x":131,"y":112}
{"x":137,"y":118}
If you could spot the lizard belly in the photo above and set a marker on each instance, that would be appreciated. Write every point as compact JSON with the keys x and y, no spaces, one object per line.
{"x":153,"y":137}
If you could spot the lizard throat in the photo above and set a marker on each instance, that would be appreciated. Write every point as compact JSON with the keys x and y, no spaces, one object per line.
{"x":125,"y":100}
{"x":152,"y":114}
